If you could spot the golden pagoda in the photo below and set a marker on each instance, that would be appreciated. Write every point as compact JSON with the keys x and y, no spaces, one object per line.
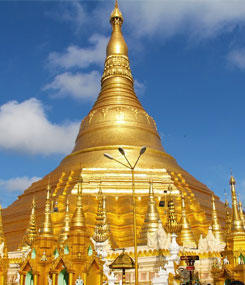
{"x":70,"y":215}
{"x":117,"y":119}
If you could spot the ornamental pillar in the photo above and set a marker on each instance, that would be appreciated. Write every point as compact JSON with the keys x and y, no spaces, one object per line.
{"x":2,"y":279}
{"x":35,"y":279}
{"x":22,"y":279}
{"x":70,"y":278}
{"x":54,"y":278}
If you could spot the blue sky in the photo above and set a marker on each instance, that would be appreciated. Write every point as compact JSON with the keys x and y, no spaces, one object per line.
{"x":188,"y":60}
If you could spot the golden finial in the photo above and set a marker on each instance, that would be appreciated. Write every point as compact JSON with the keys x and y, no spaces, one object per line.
{"x":237,"y":225}
{"x":116,"y":14}
{"x":31,"y":232}
{"x":216,"y":227}
{"x":186,"y":236}
{"x":172,"y":225}
{"x":78,"y":219}
{"x":117,"y":44}
{"x":101,"y":231}
{"x":152,"y":218}
{"x":67,"y":224}
{"x":46,"y":228}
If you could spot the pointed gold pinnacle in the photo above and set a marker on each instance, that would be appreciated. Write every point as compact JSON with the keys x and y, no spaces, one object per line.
{"x":152,"y":215}
{"x":237,"y":225}
{"x":172,"y":225}
{"x":31,"y":231}
{"x":67,"y":224}
{"x":101,"y":231}
{"x":228,"y":219}
{"x":46,"y":228}
{"x":216,"y":227}
{"x":78,"y":219}
{"x":186,"y":236}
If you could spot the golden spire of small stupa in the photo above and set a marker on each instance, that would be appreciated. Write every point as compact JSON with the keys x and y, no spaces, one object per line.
{"x":101,"y":231}
{"x":67,"y":224}
{"x":152,"y":215}
{"x":216,"y":227}
{"x":241,"y":213}
{"x":172,"y":225}
{"x":78,"y":220}
{"x":237,"y":225}
{"x":228,"y":218}
{"x":31,"y":232}
{"x":46,"y":228}
{"x":151,"y":222}
{"x":186,"y":236}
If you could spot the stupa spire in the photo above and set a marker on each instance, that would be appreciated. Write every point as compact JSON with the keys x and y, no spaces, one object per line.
{"x":152,"y":215}
{"x":101,"y":231}
{"x":117,"y":44}
{"x":172,"y":225}
{"x":78,"y":219}
{"x":228,"y":218}
{"x":151,"y":222}
{"x":67,"y":224}
{"x":186,"y":236}
{"x":31,"y":232}
{"x":237,"y":225}
{"x":241,"y":213}
{"x":216,"y":227}
{"x":46,"y":228}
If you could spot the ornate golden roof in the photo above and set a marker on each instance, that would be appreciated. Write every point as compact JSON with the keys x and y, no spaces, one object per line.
{"x":123,"y":261}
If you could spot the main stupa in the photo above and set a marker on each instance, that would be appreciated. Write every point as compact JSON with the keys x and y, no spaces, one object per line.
{"x":117,"y":119}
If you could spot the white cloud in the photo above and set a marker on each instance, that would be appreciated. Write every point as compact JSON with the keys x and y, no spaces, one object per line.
{"x":203,"y":18}
{"x":165,"y":18}
{"x":25,"y":127}
{"x":139,"y":87}
{"x":75,"y":13}
{"x":237,"y":58}
{"x":78,"y":86}
{"x":75,"y":56}
{"x":18,"y":184}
